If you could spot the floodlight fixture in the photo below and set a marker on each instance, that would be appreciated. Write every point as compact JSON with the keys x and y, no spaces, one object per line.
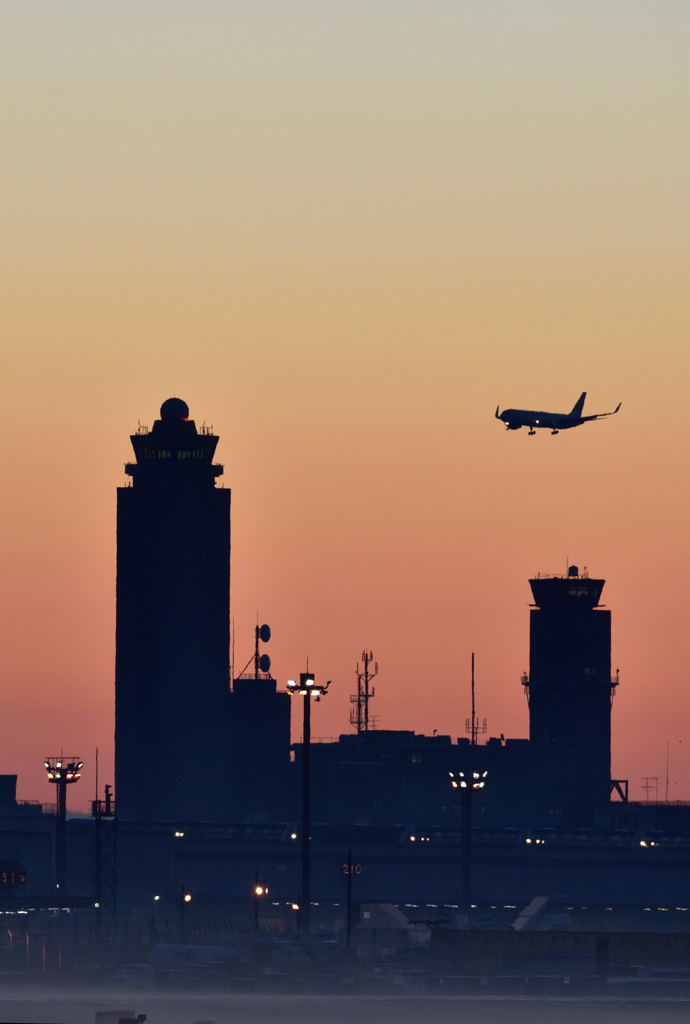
{"x":468,"y":780}
{"x":307,"y":686}
{"x":62,"y":771}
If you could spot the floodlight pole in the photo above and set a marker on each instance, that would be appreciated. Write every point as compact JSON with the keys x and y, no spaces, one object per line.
{"x":466,"y":846}
{"x":305,"y":902}
{"x":62,"y":771}
{"x":307,"y":689}
{"x":467,"y":782}
{"x":60,"y":833}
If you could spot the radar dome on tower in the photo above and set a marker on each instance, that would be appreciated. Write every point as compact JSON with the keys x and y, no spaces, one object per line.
{"x":174,"y":409}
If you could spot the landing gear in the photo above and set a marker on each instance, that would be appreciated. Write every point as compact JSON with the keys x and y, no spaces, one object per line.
{"x":554,"y":431}
{"x":531,"y":431}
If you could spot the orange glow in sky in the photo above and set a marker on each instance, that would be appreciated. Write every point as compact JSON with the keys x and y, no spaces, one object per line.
{"x":344,"y":235}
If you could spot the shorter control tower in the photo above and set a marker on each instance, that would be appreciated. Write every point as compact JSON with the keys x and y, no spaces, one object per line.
{"x":570,"y":691}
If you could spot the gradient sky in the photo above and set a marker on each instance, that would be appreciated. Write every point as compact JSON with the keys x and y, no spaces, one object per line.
{"x":344,"y":233}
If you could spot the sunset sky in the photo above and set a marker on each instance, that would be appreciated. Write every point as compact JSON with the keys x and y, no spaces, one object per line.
{"x":343,"y":233}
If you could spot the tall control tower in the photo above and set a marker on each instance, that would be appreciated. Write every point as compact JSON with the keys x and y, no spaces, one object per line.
{"x":172,"y":633}
{"x":570,"y":691}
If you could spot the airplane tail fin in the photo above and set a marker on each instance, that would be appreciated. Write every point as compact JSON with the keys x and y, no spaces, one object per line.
{"x":579,"y":405}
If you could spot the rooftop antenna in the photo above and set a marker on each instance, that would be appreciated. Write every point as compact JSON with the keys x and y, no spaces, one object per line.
{"x":359,"y":714}
{"x":649,"y":783}
{"x":472,"y":725}
{"x":262,"y":662}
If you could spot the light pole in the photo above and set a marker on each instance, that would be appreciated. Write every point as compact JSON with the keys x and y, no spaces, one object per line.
{"x":349,"y":869}
{"x":306,"y":688}
{"x":184,"y":899}
{"x":259,"y":890}
{"x":468,"y":782}
{"x":62,"y":772}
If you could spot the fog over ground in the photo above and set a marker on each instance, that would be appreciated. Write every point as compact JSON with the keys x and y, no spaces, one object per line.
{"x":61,"y":1007}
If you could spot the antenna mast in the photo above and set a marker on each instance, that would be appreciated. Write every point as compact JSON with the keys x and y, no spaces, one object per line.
{"x":359,"y":714}
{"x":472,"y":725}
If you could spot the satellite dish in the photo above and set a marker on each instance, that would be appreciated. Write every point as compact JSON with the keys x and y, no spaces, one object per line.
{"x":264,"y":663}
{"x":265,"y":633}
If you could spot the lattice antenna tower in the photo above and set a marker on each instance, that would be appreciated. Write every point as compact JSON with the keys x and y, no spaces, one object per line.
{"x":473,"y":725}
{"x":359,"y":714}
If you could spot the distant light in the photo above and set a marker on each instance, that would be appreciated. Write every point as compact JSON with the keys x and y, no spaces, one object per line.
{"x":294,"y":906}
{"x":293,"y":835}
{"x":178,"y":835}
{"x":187,"y":897}
{"x":97,"y":906}
{"x":156,"y":898}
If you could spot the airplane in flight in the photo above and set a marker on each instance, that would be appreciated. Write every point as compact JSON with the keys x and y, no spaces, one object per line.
{"x":516,"y":418}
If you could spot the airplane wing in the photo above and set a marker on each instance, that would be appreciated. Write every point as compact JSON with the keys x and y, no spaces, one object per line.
{"x":602,"y":415}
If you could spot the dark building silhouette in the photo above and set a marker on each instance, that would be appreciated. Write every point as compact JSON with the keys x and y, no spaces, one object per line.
{"x":560,"y":777}
{"x":259,"y":739}
{"x":570,"y":691}
{"x":172,"y":634}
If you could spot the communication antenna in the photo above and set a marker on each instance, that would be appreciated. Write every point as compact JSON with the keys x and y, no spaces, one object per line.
{"x":472,"y":724}
{"x":359,"y":714}
{"x":262,"y":662}
{"x":649,"y":783}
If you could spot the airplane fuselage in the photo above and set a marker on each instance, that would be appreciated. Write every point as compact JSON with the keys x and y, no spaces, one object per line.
{"x":516,"y":418}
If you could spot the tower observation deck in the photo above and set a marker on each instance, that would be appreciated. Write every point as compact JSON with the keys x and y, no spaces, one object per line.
{"x":569,"y":690}
{"x":172,"y":630}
